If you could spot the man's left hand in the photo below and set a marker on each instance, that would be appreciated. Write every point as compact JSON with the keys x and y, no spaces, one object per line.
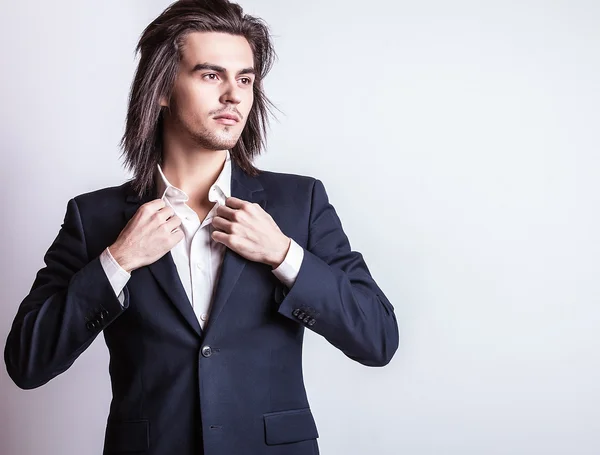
{"x":250,"y":231}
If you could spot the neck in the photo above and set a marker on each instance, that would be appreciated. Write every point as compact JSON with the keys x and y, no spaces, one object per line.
{"x":193,"y":171}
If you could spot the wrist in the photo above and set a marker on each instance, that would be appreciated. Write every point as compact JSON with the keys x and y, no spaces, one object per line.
{"x":121,"y":257}
{"x":278,"y":260}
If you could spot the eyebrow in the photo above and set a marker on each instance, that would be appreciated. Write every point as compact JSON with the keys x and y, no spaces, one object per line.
{"x":220,"y":69}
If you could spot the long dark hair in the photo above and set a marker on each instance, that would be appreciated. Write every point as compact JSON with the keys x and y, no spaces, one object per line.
{"x":160,"y":48}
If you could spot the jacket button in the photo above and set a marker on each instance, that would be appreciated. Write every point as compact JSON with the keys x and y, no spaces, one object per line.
{"x":91,"y":325}
{"x":311,"y":322}
{"x":296,"y":311}
{"x":206,"y":351}
{"x":301,"y":315}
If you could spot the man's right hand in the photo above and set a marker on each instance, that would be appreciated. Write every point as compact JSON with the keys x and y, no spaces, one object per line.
{"x":149,"y":235}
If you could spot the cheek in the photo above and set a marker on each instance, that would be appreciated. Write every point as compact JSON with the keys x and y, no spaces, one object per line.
{"x":247,"y":104}
{"x":196,"y":96}
{"x":194,"y":105}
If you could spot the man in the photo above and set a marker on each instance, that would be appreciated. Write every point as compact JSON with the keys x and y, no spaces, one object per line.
{"x":202,"y":271}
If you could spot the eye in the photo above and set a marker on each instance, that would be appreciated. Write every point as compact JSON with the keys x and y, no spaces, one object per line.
{"x":210,"y":74}
{"x":249,"y":81}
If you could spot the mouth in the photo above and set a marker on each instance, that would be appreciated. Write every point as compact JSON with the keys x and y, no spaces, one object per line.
{"x":227,"y":119}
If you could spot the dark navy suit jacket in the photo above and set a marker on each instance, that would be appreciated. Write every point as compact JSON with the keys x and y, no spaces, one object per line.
{"x":234,"y":388}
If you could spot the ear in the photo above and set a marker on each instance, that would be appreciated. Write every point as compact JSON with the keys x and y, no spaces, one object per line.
{"x":163,"y":101}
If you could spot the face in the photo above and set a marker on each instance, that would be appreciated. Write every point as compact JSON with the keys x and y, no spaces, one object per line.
{"x":215,"y":78}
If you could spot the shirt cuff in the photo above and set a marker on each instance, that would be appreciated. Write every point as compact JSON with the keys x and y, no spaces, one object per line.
{"x":288,"y":270}
{"x":117,"y":276}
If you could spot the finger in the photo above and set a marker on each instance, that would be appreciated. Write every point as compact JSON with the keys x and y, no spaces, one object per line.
{"x":222,"y":224}
{"x":229,"y":240}
{"x":232,"y":241}
{"x":221,"y":237}
{"x":162,"y":215}
{"x":226,"y":212}
{"x":155,"y":204}
{"x":173,"y":223}
{"x":150,"y":208}
{"x":235,"y":203}
{"x":165,"y":213}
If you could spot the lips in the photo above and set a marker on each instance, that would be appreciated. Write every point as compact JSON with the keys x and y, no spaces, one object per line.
{"x":231,"y":117}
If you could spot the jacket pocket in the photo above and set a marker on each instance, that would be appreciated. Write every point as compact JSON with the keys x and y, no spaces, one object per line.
{"x":289,"y":426}
{"x":127,"y":436}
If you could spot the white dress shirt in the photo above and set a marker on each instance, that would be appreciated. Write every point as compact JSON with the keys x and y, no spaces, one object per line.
{"x":197,"y":256}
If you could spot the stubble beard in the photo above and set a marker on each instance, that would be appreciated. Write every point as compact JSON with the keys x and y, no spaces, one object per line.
{"x":222,"y":137}
{"x":219,"y":139}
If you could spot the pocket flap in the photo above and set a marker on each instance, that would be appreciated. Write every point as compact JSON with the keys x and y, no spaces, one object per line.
{"x":127,"y":436}
{"x":290,"y":426}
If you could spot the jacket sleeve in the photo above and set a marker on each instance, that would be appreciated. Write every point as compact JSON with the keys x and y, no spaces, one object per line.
{"x":335,"y":295}
{"x":70,"y":302}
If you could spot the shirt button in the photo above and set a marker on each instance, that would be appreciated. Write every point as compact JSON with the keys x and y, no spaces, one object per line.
{"x":199,"y":266}
{"x":204,"y":317}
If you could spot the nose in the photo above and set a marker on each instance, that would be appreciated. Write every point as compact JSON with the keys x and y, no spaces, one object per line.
{"x":231,"y":94}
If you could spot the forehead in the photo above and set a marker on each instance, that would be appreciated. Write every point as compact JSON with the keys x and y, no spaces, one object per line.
{"x":230,"y":51}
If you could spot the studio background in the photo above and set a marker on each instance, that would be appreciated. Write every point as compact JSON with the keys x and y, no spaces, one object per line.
{"x":458,"y":142}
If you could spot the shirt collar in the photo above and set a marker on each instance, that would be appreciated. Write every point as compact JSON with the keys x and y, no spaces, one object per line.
{"x":217,"y":192}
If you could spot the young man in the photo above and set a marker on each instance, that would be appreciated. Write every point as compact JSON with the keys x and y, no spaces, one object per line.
{"x":202,"y":271}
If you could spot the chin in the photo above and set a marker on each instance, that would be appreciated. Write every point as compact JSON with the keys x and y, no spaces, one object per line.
{"x":222,"y":143}
{"x":216,"y":139}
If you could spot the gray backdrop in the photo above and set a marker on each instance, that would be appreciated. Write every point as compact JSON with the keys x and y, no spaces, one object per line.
{"x":458,"y":142}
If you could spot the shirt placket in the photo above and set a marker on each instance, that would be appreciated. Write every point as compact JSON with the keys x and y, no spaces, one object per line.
{"x":200,"y":264}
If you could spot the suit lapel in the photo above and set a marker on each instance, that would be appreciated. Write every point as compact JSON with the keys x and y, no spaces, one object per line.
{"x":164,"y":270}
{"x":248,"y":188}
{"x":243,"y":186}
